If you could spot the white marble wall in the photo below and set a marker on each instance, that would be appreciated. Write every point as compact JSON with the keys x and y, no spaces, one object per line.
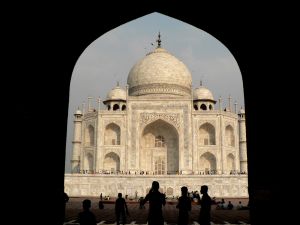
{"x":92,"y":185}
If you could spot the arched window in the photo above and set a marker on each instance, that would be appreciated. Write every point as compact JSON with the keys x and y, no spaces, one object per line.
{"x":195,"y":107}
{"x":116,"y":107}
{"x":89,"y":136}
{"x":210,"y":107}
{"x":207,"y":134}
{"x":203,"y":107}
{"x":159,"y":166}
{"x":108,"y":107}
{"x":208,"y":163}
{"x":123,"y":107}
{"x":112,"y":162}
{"x":88,"y":162}
{"x":229,"y":135}
{"x":230,"y":163}
{"x":112,"y":134}
{"x":159,"y":141}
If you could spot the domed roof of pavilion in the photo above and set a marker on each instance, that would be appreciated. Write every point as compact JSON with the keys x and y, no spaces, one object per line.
{"x":159,"y":73}
{"x":242,"y":111}
{"x":117,"y":93}
{"x":202,"y":93}
{"x":78,"y":112}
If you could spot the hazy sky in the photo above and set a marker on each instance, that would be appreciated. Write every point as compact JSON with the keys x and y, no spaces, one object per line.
{"x":110,"y":57}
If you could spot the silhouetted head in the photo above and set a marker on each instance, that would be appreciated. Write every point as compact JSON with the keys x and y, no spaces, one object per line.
{"x":184,"y":191}
{"x":203,"y":189}
{"x":86,"y":204}
{"x":155,"y":186}
{"x":120,"y":195}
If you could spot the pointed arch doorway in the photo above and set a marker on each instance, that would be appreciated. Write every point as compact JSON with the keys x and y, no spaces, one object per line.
{"x":159,"y":149}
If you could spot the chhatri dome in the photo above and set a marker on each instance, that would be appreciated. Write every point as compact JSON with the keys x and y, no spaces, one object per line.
{"x":202,"y":93}
{"x":117,"y":93}
{"x":159,"y":73}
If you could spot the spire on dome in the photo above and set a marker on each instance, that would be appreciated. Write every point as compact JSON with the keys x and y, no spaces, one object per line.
{"x":158,"y":41}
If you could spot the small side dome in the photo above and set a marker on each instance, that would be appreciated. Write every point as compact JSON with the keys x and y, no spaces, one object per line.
{"x":242,"y":111}
{"x":116,"y":94}
{"x":78,"y":112}
{"x":202,"y":93}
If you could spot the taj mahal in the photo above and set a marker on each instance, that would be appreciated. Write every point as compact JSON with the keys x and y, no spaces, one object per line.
{"x":158,"y":128}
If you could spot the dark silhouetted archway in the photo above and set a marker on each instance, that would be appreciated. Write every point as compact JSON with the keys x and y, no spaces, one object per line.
{"x":56,"y":45}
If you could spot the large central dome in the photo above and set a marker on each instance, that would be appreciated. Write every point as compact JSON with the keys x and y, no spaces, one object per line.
{"x":159,"y":73}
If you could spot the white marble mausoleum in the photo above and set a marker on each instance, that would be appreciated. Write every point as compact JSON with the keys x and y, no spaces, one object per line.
{"x":159,"y":128}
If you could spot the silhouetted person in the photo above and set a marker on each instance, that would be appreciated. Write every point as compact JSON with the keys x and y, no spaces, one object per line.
{"x":205,"y":202}
{"x":141,"y":203}
{"x":121,"y":209}
{"x":244,"y":207}
{"x":221,"y":204}
{"x":156,"y":201}
{"x":230,"y":205}
{"x":64,"y":198}
{"x":86,"y":217}
{"x":184,"y":205}
{"x":100,"y":204}
{"x":239,"y":206}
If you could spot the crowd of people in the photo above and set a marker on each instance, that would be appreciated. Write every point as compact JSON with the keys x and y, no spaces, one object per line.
{"x":223,"y":205}
{"x":156,"y":201}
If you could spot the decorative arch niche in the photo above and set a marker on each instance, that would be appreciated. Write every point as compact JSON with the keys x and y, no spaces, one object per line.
{"x":159,"y":146}
{"x":90,"y":135}
{"x":111,"y":162}
{"x":112,"y":134}
{"x":208,"y":163}
{"x":229,"y":136}
{"x":89,"y":162}
{"x":207,"y":134}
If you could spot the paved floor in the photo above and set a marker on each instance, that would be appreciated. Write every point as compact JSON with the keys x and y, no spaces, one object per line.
{"x":139,"y":216}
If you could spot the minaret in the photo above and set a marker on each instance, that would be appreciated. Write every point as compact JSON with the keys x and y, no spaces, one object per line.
{"x":90,"y":104}
{"x":243,"y":141}
{"x":99,"y":104}
{"x":83,"y":108}
{"x":76,"y":142}
{"x":235,"y":107}
{"x":229,"y":103}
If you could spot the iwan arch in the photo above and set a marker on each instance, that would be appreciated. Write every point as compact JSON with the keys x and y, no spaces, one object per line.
{"x":159,"y":128}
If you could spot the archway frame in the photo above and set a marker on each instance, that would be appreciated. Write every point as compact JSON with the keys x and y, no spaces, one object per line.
{"x":113,"y":155}
{"x":142,"y":14}
{"x":208,"y":155}
{"x":177,"y":132}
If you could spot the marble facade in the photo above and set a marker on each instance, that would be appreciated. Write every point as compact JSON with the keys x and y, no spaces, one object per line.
{"x":92,"y":185}
{"x":159,"y":127}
